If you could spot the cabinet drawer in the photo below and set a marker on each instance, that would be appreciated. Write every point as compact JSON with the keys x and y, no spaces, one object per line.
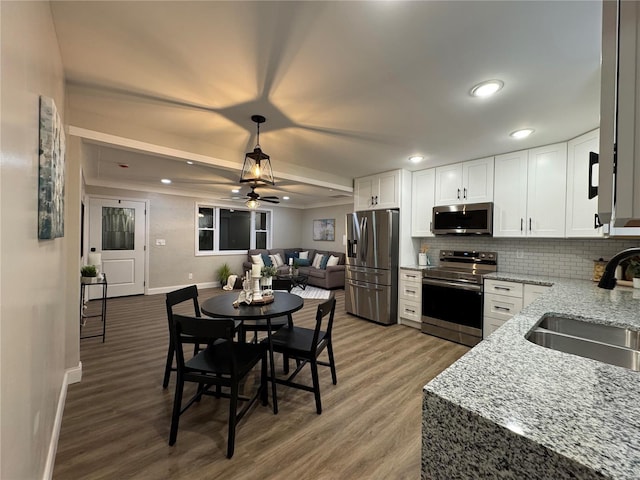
{"x":510,"y":289}
{"x":410,"y":310}
{"x":490,"y":325}
{"x":531,"y":292}
{"x":411,"y":292}
{"x":501,"y":306}
{"x":411,"y":276}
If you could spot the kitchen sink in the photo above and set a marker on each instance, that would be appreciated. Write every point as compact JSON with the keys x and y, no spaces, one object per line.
{"x":606,"y":343}
{"x":611,"y":334}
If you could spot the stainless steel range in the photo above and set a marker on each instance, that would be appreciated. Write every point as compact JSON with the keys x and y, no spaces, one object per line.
{"x":452,"y":295}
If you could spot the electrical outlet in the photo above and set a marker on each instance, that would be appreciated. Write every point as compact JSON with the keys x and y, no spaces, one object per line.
{"x":160,"y":242}
{"x":191,"y":276}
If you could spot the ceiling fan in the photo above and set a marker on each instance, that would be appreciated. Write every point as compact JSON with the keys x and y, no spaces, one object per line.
{"x":255,"y":198}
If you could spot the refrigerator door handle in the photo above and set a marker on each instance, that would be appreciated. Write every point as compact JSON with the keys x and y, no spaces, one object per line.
{"x":365,"y":240}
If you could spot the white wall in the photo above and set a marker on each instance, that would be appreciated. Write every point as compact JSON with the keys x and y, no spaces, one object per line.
{"x":36,"y":289}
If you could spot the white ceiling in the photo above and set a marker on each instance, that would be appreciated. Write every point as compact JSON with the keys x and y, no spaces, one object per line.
{"x":348,"y":88}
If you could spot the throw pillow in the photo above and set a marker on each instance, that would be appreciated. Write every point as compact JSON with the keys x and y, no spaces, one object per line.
{"x":316,"y":260}
{"x":303,"y":262}
{"x":288,"y":255}
{"x":333,"y":261}
{"x":257,"y":260}
{"x":323,"y":263}
{"x":276,"y":260}
{"x":304,"y":255}
{"x":266,"y":260}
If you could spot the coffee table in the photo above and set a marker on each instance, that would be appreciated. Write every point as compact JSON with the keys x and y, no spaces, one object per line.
{"x":299,"y":280}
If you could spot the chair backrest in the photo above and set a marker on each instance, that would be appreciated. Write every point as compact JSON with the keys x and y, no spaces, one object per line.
{"x":208,"y":330}
{"x":182,"y":295}
{"x":324,"y":320}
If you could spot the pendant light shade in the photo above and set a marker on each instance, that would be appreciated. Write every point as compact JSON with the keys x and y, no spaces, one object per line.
{"x":252,"y":203}
{"x":257,"y":164}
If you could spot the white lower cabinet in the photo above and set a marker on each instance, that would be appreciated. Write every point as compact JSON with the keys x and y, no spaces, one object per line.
{"x":502,"y":300}
{"x":410,"y":297}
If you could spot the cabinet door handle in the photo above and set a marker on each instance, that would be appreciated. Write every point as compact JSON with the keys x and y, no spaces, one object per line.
{"x":410,"y":291}
{"x":529,"y":223}
{"x":498,"y":287}
{"x":376,"y":202}
{"x":596,"y":221}
{"x":593,"y":160}
{"x":409,"y":310}
{"x":465,"y":192}
{"x":521,"y":224}
{"x":458,"y":194}
{"x":498,"y":307}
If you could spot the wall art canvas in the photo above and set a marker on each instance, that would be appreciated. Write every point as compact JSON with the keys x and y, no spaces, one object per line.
{"x":51,"y":172}
{"x":324,"y":229}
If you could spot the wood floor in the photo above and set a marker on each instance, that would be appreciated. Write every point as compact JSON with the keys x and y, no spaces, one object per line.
{"x":116,"y":421}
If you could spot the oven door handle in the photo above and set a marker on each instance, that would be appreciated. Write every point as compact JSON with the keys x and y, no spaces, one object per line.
{"x":459,"y":286}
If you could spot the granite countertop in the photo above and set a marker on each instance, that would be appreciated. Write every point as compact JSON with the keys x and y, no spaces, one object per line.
{"x":585,"y":410}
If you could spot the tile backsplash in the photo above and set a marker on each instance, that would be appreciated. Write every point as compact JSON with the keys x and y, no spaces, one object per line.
{"x":555,"y":257}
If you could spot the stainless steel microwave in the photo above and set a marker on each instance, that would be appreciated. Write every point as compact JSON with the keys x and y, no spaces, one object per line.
{"x":466,"y":219}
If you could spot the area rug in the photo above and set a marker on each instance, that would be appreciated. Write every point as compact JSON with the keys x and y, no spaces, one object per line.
{"x":311,"y":292}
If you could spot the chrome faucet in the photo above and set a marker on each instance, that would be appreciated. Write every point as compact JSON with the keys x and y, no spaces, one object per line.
{"x":608,"y":280}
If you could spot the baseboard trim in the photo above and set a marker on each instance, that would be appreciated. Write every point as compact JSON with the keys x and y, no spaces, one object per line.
{"x":71,"y":375}
{"x":160,"y":290}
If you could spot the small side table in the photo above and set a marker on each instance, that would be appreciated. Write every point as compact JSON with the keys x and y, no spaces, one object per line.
{"x":103,"y":307}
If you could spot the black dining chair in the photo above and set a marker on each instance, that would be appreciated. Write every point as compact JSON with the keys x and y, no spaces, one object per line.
{"x":305,"y":345}
{"x":223,"y":363}
{"x":256,"y":326}
{"x":172,"y":299}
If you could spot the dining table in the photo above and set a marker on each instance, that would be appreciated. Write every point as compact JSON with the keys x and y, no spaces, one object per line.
{"x":283,"y":304}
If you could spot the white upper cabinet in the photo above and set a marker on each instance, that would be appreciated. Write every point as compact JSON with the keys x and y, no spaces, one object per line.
{"x":378,"y":191}
{"x":466,"y":182}
{"x":546,"y":187}
{"x":581,"y":175}
{"x":422,"y":201}
{"x":510,"y":194}
{"x":529,"y":192}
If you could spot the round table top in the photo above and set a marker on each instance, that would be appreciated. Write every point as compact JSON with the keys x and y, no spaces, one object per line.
{"x":221,"y":306}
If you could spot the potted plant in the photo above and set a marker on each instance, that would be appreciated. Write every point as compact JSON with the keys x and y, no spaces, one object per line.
{"x":223,"y":272}
{"x":266,"y":282}
{"x":88,"y":273}
{"x":296,"y":265}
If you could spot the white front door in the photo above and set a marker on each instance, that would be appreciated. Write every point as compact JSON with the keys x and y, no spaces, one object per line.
{"x":117,"y":230}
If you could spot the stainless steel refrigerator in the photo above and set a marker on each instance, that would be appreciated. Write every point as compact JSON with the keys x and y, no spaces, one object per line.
{"x":371,"y":287}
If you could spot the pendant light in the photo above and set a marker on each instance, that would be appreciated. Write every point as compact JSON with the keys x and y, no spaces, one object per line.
{"x":257,"y":164}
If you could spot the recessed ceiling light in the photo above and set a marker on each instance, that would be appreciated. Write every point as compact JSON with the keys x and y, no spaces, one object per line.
{"x":486,"y":89}
{"x":524,"y":133}
{"x":189,"y":162}
{"x":285,"y":198}
{"x":235,"y":190}
{"x":166,"y":181}
{"x":416,"y":158}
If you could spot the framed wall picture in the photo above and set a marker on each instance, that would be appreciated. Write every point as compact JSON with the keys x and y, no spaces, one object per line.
{"x":50,"y":172}
{"x":325,"y":229}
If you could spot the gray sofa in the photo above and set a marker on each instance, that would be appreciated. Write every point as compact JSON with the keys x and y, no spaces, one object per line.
{"x":328,"y":278}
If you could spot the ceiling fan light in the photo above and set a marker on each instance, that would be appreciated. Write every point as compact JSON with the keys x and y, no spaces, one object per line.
{"x":252,"y":203}
{"x":486,"y":89}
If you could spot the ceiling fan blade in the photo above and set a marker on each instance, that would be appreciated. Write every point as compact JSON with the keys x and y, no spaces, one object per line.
{"x":267,"y":200}
{"x":272,"y":197}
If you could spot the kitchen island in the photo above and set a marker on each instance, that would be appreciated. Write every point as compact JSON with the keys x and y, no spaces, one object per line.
{"x":513,"y":409}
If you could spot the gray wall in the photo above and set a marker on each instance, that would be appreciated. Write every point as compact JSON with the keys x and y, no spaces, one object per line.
{"x":559,"y":257}
{"x":39,"y":279}
{"x":338,"y":213}
{"x":172,"y":218}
